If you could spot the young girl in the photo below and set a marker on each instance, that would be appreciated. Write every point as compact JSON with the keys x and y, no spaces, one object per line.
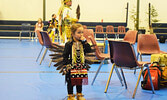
{"x":73,"y":58}
{"x":38,"y":26}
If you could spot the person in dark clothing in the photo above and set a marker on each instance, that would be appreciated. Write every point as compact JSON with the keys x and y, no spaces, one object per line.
{"x":53,"y":27}
{"x":73,"y":58}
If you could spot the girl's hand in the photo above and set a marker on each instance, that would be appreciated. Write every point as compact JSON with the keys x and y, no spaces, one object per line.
{"x":82,"y":38}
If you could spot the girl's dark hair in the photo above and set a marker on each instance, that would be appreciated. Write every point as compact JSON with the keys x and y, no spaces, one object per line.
{"x":53,"y":15}
{"x":74,"y":27}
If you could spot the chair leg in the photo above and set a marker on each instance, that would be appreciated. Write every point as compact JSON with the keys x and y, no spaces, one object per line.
{"x":97,"y":72}
{"x":50,"y":62}
{"x":124,"y":78}
{"x":33,"y":36}
{"x":117,"y":36}
{"x":109,"y":78}
{"x":150,"y":78}
{"x":20,"y":36}
{"x":137,"y":56}
{"x":119,"y":76}
{"x":30,"y":36}
{"x":135,"y":71}
{"x":140,"y":57}
{"x":39,"y":54}
{"x":95,"y":35}
{"x":134,"y":93}
{"x":106,"y":36}
{"x":43,"y":55}
{"x":133,"y":48}
{"x":137,"y":59}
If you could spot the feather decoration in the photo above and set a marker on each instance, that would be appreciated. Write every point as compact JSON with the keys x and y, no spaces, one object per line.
{"x":61,"y":47}
{"x":78,"y":12}
{"x":56,"y":57}
{"x":55,"y":54}
{"x":58,"y":63}
{"x":59,"y":67}
{"x":57,"y":60}
{"x":56,"y":50}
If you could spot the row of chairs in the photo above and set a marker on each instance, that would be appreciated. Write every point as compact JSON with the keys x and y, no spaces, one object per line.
{"x":109,"y":30}
{"x":119,"y":51}
{"x":25,"y":28}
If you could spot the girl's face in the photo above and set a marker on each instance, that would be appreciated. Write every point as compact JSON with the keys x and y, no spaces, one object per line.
{"x":78,"y":35}
{"x":39,"y":20}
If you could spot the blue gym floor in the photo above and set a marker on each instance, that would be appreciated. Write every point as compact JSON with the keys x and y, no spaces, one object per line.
{"x":22,"y":78}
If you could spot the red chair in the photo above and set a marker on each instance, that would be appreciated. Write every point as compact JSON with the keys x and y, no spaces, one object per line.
{"x":41,"y":42}
{"x":130,"y":37}
{"x":87,"y":33}
{"x":110,"y":30}
{"x":125,"y":58}
{"x":99,"y":30}
{"x":121,"y":30}
{"x":102,"y":57}
{"x":48,"y":44}
{"x":147,"y":44}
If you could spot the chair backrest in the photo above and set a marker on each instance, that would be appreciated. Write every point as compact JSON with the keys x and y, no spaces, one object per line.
{"x":148,"y":44}
{"x":111,"y":51}
{"x":130,"y":36}
{"x":97,"y":51}
{"x":46,"y":40}
{"x":40,"y":39}
{"x":25,"y":27}
{"x":121,"y":30}
{"x":109,"y":29}
{"x":91,"y":32}
{"x":123,"y":54}
{"x":87,"y":33}
{"x":99,"y":29}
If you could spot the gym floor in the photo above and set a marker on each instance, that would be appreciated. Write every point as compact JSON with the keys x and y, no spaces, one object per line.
{"x":22,"y":78}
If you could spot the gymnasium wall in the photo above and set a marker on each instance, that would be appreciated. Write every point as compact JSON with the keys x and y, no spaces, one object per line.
{"x":91,"y":10}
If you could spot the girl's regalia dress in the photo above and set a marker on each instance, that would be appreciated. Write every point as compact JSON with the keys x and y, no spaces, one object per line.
{"x":79,"y":75}
{"x":74,"y":61}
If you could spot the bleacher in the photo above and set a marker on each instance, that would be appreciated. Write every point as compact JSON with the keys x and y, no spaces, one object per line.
{"x":11,"y":28}
{"x":160,"y":29}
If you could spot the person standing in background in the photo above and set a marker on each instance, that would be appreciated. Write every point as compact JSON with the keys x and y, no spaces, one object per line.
{"x":66,"y":20}
{"x":52,"y":27}
{"x":38,"y":26}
